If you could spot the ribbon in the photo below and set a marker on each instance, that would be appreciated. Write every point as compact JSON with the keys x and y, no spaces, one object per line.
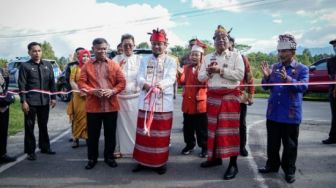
{"x":242,"y":85}
{"x":148,"y":97}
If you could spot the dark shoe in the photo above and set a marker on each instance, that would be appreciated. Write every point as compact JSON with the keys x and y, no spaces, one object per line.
{"x":111,"y":162}
{"x":48,"y":152}
{"x":215,"y":162}
{"x":329,"y":141}
{"x":231,"y":172}
{"x":204,"y":153}
{"x":187,"y":150}
{"x":70,"y":139}
{"x":90,"y":164}
{"x":31,"y":156}
{"x":161,"y":170}
{"x":138,"y":168}
{"x":243,"y":152}
{"x":7,"y":159}
{"x":267,"y":169}
{"x":75,"y":143}
{"x":290,"y":178}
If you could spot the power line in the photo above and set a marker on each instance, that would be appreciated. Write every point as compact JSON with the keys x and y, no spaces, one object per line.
{"x":188,"y":13}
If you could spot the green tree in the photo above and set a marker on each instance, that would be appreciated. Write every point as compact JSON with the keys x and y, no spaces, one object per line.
{"x":3,"y":62}
{"x":48,"y":52}
{"x":143,"y":45}
{"x":242,"y":47}
{"x":210,"y":47}
{"x":178,"y":51}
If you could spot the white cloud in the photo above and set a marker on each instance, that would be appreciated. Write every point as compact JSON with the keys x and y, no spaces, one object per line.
{"x":228,"y":5}
{"x":257,"y":45}
{"x":277,"y":21}
{"x":184,"y":1}
{"x":301,"y":12}
{"x":106,"y":20}
{"x":275,"y":15}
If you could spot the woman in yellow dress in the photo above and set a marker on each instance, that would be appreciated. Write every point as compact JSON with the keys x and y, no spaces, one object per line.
{"x":76,"y":107}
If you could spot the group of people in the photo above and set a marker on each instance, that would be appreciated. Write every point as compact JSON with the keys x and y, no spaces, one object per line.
{"x":132,"y":97}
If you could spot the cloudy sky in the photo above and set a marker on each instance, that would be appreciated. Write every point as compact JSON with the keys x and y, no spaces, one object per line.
{"x":67,"y":24}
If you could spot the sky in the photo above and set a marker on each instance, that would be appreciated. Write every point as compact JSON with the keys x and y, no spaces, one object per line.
{"x":68,"y":24}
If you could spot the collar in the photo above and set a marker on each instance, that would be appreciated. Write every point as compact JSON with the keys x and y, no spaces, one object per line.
{"x":33,"y":62}
{"x":292,"y":64}
{"x":161,"y":57}
{"x":96,"y":61}
{"x":225,"y":53}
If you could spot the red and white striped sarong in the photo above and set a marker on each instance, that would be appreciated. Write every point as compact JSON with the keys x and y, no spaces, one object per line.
{"x":152,"y":150}
{"x":223,"y":108}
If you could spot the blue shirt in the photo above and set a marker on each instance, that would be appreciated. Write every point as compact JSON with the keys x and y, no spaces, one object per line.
{"x":285,"y":102}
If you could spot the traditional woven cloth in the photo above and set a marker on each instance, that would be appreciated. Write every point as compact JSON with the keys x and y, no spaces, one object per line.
{"x":223,"y":123}
{"x":153,"y":150}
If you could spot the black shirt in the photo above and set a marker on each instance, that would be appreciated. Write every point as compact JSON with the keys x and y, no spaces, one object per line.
{"x":36,"y":76}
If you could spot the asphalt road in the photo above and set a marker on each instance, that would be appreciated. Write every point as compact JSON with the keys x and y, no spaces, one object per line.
{"x":316,"y":163}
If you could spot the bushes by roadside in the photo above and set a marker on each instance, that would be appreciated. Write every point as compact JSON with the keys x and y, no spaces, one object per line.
{"x":15,"y":118}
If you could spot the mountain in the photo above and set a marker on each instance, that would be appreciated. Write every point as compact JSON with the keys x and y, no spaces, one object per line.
{"x":313,"y":51}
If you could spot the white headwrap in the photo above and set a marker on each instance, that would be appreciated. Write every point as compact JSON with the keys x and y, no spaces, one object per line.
{"x":197,"y":48}
{"x":286,"y":42}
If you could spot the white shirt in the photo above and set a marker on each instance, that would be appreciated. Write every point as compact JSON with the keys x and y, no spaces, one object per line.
{"x":231,"y":67}
{"x":159,"y":71}
{"x":130,"y":68}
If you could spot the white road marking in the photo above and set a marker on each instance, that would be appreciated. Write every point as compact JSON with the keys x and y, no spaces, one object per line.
{"x":251,"y":160}
{"x":24,"y":156}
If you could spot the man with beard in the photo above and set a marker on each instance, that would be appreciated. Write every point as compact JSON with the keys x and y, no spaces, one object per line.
{"x":157,"y":74}
{"x":284,"y":110}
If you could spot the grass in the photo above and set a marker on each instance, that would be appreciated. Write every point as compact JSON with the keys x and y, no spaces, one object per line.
{"x":15,"y":118}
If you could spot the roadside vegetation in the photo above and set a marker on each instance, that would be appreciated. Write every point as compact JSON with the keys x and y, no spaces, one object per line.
{"x":15,"y":118}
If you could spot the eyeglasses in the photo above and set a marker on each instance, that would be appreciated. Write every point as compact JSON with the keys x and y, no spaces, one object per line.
{"x":127,"y":45}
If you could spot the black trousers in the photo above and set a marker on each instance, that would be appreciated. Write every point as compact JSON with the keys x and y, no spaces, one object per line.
{"x":94,"y":123}
{"x":242,"y":127}
{"x":4,"y":120}
{"x":195,"y":123}
{"x":42,"y":114}
{"x":332,"y":133}
{"x":288,"y":134}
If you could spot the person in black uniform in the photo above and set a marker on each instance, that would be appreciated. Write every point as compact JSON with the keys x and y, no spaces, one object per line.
{"x":36,"y":74}
{"x":331,"y":66}
{"x":4,"y":121}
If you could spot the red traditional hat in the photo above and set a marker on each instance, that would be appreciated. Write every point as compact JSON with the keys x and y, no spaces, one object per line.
{"x":158,"y":35}
{"x":199,"y":46}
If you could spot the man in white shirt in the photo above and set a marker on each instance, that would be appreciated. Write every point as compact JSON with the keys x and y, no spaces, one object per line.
{"x":128,"y":98}
{"x":156,"y":77}
{"x":223,"y":70}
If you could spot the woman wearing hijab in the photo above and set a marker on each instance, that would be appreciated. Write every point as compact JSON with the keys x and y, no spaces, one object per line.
{"x":76,"y":107}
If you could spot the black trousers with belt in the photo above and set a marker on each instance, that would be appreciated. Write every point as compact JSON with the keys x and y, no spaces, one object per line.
{"x":195,"y":123}
{"x":4,"y":120}
{"x":42,"y":114}
{"x":288,"y":134}
{"x":94,"y":123}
